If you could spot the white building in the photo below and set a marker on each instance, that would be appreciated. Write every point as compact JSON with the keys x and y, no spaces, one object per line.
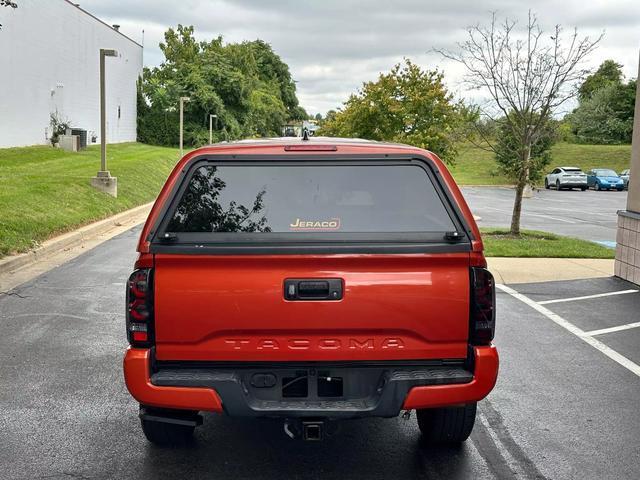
{"x":49,"y":63}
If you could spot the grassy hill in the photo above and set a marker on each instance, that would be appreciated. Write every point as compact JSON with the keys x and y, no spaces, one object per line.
{"x":45,"y":191}
{"x":478,"y":167}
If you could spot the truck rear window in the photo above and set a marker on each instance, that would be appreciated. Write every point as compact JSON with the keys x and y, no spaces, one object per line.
{"x":310,"y":198}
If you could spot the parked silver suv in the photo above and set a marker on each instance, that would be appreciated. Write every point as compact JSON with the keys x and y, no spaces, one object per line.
{"x":566,"y":177}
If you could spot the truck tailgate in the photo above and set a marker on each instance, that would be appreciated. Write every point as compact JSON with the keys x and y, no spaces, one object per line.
{"x":233,"y":308}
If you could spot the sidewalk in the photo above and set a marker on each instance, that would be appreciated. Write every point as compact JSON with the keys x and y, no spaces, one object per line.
{"x":507,"y":270}
{"x":17,"y":269}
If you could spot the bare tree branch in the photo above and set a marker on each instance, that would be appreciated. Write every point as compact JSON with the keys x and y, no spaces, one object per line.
{"x":527,"y":77}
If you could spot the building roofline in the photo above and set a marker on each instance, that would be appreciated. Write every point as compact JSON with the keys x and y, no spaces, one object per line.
{"x":102,"y":22}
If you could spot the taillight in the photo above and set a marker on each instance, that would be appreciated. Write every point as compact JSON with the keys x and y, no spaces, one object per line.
{"x":482,"y":315}
{"x":140,"y":308}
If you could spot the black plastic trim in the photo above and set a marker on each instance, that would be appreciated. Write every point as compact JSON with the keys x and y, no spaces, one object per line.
{"x":366,"y":391}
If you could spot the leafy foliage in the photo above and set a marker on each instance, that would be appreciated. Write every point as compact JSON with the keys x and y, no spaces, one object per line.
{"x":246,"y":85}
{"x":609,"y":72}
{"x":509,"y":151}
{"x":58,"y":127}
{"x":406,"y":105}
{"x":606,"y":109}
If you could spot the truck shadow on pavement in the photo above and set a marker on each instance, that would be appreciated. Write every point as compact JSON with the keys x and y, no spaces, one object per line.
{"x":371,"y":448}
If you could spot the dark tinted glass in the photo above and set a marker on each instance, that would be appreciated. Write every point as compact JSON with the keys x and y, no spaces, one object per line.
{"x":330,"y":198}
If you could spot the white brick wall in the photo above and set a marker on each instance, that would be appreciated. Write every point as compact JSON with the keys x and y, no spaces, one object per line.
{"x":627,"y":264}
{"x":50,"y":61}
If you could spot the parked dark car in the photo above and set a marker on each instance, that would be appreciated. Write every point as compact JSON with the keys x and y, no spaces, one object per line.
{"x":604,"y":179}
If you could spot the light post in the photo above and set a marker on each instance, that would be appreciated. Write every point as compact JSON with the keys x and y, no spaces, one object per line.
{"x":103,"y":180}
{"x":182,"y":100}
{"x":211,"y":117}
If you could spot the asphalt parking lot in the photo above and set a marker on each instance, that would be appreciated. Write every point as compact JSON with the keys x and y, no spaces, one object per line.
{"x":564,"y":406}
{"x":589,"y":215}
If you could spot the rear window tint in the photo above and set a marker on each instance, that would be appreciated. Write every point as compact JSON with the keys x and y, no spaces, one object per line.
{"x":314,"y":198}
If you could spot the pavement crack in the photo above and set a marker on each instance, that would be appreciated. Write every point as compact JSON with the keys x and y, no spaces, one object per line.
{"x":10,"y":293}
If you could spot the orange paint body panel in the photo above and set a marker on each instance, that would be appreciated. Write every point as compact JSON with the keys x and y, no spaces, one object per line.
{"x":394,"y":307}
{"x":484,"y":379}
{"x":137,"y":377}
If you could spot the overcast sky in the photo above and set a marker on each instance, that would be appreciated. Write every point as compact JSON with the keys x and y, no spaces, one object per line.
{"x":332,"y":46}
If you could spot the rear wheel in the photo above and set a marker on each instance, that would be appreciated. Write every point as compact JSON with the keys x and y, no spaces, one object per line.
{"x":597,"y":186}
{"x":447,"y":425}
{"x":558,"y":185}
{"x":164,"y":430}
{"x":546,"y":184}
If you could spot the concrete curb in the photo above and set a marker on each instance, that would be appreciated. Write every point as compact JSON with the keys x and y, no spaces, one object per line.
{"x":71,"y":239}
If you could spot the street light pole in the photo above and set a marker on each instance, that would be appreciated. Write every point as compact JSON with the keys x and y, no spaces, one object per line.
{"x":103,"y":110}
{"x":103,"y":180}
{"x":211,"y":117}
{"x":182,"y":100}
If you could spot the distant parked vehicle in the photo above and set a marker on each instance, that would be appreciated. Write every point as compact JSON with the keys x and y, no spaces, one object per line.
{"x":604,"y":179}
{"x":624,"y":175}
{"x":566,"y":177}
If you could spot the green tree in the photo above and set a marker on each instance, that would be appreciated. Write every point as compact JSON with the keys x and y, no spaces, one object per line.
{"x":407,"y":105}
{"x":508,"y":150}
{"x":246,"y":85}
{"x":608,"y":72}
{"x":605,"y":112}
{"x":606,"y":117}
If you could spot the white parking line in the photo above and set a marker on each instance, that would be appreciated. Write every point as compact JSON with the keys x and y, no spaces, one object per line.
{"x":586,"y":297}
{"x":570,"y":327}
{"x":535,"y":215}
{"x":619,"y":328}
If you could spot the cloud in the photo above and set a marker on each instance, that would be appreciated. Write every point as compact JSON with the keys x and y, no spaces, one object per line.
{"x":334,"y":45}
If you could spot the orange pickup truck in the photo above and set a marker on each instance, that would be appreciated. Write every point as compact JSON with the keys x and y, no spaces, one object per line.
{"x":311,"y":280}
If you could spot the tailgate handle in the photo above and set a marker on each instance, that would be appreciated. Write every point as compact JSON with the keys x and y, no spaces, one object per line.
{"x":313,"y":289}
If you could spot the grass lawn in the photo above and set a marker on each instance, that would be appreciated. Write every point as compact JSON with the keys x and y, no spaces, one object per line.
{"x":46,"y":191}
{"x":475,"y":166}
{"x":532,"y":243}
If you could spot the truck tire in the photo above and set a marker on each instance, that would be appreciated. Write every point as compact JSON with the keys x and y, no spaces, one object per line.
{"x":446,"y":425}
{"x":166,"y":434}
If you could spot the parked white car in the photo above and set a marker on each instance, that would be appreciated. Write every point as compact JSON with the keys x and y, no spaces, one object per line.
{"x":566,"y":177}
{"x":624,"y":175}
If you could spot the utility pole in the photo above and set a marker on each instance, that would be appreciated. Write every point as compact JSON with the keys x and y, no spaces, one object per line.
{"x":211,"y":117}
{"x":182,"y":100}
{"x":103,"y":180}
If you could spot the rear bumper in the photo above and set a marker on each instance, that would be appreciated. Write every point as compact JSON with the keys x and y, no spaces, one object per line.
{"x":372,"y":390}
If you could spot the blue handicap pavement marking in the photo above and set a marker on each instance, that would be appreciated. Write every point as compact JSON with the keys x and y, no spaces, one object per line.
{"x":607,"y":243}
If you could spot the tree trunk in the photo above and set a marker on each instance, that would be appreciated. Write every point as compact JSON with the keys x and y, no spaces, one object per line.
{"x":522,"y":183}
{"x":517,"y":209}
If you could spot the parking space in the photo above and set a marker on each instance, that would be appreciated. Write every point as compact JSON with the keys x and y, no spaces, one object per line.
{"x":589,"y":215}
{"x":604,"y":312}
